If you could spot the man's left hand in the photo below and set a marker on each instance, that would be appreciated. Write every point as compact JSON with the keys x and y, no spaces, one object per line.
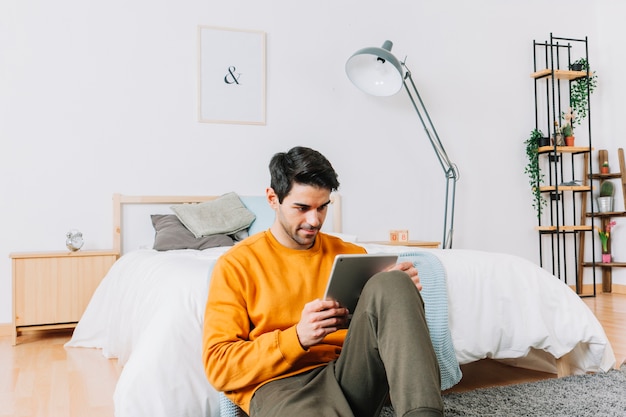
{"x":410,"y":269}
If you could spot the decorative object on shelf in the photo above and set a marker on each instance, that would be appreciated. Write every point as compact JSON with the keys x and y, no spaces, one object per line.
{"x":604,"y":238}
{"x":581,"y":89}
{"x":604,"y":169}
{"x":558,"y":135}
{"x":378,"y":72}
{"x":533,"y":170}
{"x":605,"y":201}
{"x":74,"y":240}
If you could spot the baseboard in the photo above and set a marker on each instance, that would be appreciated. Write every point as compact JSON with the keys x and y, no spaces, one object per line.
{"x":588,"y":289}
{"x":6,"y":329}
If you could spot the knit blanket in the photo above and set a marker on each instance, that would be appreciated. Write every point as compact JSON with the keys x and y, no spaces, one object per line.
{"x":435,"y":295}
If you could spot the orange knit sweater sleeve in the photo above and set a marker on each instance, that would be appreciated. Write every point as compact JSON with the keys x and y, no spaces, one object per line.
{"x":256,"y":295}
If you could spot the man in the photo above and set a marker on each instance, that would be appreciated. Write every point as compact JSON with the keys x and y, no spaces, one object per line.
{"x":276,"y":349}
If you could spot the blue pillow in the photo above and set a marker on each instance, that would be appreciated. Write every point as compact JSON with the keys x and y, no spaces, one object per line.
{"x":262,"y":210}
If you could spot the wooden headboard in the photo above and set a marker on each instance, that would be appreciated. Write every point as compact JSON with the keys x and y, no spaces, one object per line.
{"x":120,"y":200}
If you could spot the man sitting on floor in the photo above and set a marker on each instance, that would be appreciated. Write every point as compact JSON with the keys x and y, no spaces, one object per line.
{"x":276,"y":349}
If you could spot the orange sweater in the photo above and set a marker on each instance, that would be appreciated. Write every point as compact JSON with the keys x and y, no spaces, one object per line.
{"x":257,"y":292}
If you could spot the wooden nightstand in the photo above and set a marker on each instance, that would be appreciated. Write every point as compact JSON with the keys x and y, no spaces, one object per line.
{"x":415,"y":243}
{"x":52,"y":289}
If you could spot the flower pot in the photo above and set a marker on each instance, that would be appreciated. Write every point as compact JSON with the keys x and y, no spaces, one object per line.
{"x":543,"y":142}
{"x":576,"y":67}
{"x":569,"y":140}
{"x":604,"y":170}
{"x":605,"y":204}
{"x":606,"y":258}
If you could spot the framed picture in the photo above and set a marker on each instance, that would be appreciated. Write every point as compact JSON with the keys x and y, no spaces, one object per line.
{"x":231,"y":76}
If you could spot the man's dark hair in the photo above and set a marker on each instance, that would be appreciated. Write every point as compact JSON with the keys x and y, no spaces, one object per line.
{"x":303,"y":166}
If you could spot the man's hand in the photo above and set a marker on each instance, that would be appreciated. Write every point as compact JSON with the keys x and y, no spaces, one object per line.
{"x":410,"y":269}
{"x":320,"y":318}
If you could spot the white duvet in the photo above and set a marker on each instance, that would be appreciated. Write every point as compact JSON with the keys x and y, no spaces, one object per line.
{"x":148,"y":313}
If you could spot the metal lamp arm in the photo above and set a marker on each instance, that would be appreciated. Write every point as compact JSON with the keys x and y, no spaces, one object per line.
{"x":450,"y":169}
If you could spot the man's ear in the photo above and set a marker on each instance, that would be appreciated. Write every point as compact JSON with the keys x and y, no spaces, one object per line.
{"x":272,"y":198}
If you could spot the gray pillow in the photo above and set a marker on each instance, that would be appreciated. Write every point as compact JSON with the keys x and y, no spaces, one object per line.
{"x":171,"y":234}
{"x":225,"y":215}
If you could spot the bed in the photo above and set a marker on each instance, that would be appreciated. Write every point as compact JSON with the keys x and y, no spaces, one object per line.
{"x":148,"y":311}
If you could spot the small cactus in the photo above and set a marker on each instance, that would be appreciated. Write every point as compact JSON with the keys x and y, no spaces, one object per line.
{"x":607,"y":189}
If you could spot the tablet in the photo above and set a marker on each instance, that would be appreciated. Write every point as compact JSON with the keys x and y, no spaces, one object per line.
{"x":350,"y":273}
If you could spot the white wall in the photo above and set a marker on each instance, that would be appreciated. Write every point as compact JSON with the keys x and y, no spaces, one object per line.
{"x":100,"y":97}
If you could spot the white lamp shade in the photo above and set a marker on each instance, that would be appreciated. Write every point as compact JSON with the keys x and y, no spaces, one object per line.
{"x":375,"y":71}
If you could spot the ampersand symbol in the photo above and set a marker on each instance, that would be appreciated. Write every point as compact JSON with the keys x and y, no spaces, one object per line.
{"x":232,"y":77}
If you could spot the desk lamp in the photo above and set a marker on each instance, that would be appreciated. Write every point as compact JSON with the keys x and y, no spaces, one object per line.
{"x":378,"y":72}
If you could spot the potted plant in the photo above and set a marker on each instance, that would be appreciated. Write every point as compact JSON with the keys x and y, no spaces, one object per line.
{"x":604,"y":238}
{"x":604,"y":169}
{"x":568,"y":127}
{"x":533,"y":171}
{"x":581,"y":89}
{"x":576,"y":65}
{"x":568,"y":132}
{"x":605,"y":201}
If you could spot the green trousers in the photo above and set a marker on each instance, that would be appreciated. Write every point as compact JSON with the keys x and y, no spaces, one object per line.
{"x":387,"y":352}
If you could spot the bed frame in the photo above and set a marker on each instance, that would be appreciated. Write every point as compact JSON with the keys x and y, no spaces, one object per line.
{"x":120,"y":200}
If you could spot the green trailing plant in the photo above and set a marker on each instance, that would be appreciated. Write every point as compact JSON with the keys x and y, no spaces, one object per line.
{"x":607,"y":189}
{"x":580,"y":90}
{"x":535,"y":177}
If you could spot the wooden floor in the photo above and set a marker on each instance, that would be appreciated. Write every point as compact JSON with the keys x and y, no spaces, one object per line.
{"x":39,"y":377}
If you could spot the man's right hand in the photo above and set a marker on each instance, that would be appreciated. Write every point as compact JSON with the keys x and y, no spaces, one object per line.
{"x":320,"y":318}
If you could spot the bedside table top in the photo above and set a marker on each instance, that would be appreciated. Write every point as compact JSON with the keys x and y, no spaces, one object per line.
{"x":62,"y":254}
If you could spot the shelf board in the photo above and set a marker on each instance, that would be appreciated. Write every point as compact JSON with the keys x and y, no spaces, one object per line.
{"x":559,"y":74}
{"x":607,"y":214}
{"x":564,"y":149}
{"x":546,"y":188}
{"x":580,"y":228}
{"x":607,"y":264}
{"x":605,"y":176}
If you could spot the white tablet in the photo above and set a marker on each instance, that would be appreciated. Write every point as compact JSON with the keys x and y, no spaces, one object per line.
{"x":350,"y":273}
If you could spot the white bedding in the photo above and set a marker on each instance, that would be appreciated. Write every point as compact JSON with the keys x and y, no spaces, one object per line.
{"x":148,"y":312}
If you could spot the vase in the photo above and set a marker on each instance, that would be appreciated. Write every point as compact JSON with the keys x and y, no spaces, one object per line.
{"x":606,"y":258}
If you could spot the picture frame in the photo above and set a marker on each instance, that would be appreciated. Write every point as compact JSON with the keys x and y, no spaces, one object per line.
{"x":231,"y":75}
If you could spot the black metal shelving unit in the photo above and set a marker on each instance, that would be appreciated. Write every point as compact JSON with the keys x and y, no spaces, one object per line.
{"x":567,"y":169}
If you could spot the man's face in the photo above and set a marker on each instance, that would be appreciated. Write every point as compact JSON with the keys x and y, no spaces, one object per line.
{"x":300,"y":216}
